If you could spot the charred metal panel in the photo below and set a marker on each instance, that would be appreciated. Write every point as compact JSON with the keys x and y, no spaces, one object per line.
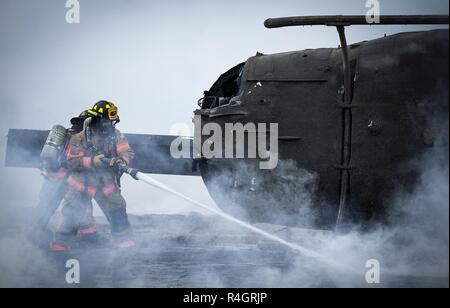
{"x":24,"y":148}
{"x":401,"y":93}
{"x":153,"y":155}
{"x":306,"y":65}
{"x":152,"y":152}
{"x":400,"y":84}
{"x":299,"y":91}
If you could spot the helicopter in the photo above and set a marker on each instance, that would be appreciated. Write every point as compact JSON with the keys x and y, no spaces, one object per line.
{"x":349,"y":120}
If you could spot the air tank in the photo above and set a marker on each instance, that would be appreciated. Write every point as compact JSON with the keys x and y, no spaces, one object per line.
{"x":53,"y":147}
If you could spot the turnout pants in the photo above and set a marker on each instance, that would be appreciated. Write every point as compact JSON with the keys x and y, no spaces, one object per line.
{"x":77,"y":201}
{"x":50,"y":196}
{"x":52,"y":192}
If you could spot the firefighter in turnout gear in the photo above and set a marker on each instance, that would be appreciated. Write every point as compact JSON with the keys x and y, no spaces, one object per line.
{"x":55,"y":186}
{"x":90,"y":176}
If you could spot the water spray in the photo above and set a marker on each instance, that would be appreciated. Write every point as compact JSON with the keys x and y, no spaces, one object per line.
{"x":137,"y":175}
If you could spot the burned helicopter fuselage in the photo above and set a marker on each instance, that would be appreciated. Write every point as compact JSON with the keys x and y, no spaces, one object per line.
{"x":398,"y":110}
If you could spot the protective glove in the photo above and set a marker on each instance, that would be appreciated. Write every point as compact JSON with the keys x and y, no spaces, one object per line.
{"x":115,"y":161}
{"x":116,"y":164}
{"x":98,"y":160}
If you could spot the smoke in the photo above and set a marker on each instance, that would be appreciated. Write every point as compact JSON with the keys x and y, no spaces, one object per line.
{"x":200,"y":251}
{"x":412,"y":248}
{"x":283,"y":195}
{"x":21,"y":262}
{"x":50,"y":71}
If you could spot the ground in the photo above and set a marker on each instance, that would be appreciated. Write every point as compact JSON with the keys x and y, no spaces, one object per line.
{"x":184,"y":251}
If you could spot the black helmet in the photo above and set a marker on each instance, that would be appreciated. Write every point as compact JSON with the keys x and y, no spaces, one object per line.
{"x":77,"y":122}
{"x":105,"y":110}
{"x":104,"y":117}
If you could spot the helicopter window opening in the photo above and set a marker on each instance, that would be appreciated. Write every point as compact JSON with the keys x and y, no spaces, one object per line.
{"x":224,"y":90}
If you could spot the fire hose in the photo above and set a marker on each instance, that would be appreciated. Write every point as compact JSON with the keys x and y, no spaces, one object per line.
{"x":139,"y":176}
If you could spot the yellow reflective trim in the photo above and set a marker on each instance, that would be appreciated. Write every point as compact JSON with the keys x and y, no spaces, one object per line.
{"x":108,"y":106}
{"x":95,"y":107}
{"x":92,"y":112}
{"x":100,"y":110}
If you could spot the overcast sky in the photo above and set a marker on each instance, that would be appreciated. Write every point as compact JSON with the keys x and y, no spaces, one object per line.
{"x":153,"y":58}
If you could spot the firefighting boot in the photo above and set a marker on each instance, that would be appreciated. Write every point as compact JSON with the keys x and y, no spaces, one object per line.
{"x":61,"y":242}
{"x":88,"y":231}
{"x":125,"y":240}
{"x":87,"y":224}
{"x":121,"y":232}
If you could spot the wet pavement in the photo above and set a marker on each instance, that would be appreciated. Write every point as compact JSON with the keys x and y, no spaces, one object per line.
{"x":173,"y":251}
{"x":190,"y":251}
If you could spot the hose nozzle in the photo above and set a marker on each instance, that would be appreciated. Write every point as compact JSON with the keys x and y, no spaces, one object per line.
{"x":122,"y":168}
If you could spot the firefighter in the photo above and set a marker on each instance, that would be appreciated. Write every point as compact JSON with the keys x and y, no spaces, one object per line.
{"x":54,"y":188}
{"x":89,"y":174}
